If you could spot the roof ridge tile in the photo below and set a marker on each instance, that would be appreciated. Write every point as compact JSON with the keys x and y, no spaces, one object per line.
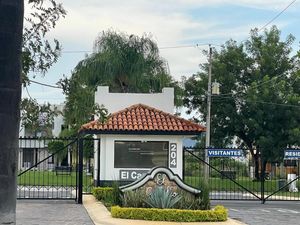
{"x":141,"y":117}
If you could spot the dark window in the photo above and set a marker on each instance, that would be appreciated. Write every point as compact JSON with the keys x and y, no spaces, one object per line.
{"x":28,"y":157}
{"x":137,"y":154}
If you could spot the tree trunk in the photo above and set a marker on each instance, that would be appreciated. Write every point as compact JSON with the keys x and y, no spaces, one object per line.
{"x":11,"y":26}
{"x":256,"y":166}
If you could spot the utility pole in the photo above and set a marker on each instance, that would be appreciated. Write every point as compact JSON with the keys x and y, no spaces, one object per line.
{"x":207,"y":136}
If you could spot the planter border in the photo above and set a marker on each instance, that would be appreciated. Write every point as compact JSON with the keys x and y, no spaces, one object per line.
{"x":219,"y":213}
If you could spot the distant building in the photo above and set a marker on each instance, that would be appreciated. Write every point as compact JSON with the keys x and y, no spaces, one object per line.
{"x":33,"y":150}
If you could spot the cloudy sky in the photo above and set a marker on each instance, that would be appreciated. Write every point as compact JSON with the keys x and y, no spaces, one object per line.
{"x":171,"y":23}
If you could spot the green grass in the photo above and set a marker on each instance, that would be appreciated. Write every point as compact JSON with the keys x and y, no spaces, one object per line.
{"x":49,"y":178}
{"x":218,"y":184}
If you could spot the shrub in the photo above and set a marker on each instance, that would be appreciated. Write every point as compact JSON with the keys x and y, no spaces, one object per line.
{"x":188,"y":201}
{"x":103,"y":193}
{"x":162,"y":198}
{"x":108,"y":195}
{"x":204,"y":195}
{"x":58,"y":148}
{"x":219,"y":213}
{"x":116,"y":194}
{"x":134,"y":199}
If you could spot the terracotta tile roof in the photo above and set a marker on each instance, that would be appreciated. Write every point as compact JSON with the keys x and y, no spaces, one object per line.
{"x":145,"y":119}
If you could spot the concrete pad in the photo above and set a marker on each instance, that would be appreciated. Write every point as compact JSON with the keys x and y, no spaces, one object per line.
{"x":101,"y":216}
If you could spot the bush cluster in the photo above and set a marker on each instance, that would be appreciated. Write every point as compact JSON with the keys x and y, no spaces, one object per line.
{"x":219,"y":213}
{"x":134,"y":206}
{"x":109,"y":196}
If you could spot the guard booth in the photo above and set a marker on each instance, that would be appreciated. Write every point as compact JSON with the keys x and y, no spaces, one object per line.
{"x":136,"y":139}
{"x":141,"y":132}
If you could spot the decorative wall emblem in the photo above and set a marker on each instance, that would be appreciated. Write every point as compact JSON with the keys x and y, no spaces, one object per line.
{"x":160,"y":177}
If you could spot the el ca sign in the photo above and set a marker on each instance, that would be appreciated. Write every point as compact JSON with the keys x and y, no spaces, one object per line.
{"x":130,"y":175}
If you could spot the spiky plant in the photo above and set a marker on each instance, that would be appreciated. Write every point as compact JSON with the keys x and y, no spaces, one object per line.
{"x":162,"y":198}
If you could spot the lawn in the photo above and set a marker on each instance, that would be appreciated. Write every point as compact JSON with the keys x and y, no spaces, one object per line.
{"x":218,"y":184}
{"x":50,"y":178}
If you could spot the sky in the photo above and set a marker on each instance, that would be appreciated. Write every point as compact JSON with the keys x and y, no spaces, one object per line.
{"x":181,"y":24}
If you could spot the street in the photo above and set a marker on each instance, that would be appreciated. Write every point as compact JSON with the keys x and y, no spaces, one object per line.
{"x":270,"y":213}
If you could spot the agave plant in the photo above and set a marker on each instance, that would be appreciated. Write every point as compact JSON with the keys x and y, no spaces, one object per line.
{"x":162,"y":198}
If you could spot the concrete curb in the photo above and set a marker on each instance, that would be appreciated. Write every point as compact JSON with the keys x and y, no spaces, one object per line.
{"x":101,"y":216}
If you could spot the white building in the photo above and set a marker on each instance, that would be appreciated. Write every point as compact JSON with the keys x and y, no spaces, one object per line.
{"x":33,"y":150}
{"x":141,"y":133}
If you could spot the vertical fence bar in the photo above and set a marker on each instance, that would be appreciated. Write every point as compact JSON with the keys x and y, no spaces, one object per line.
{"x":262,"y":177}
{"x":98,"y":163}
{"x":80,"y":171}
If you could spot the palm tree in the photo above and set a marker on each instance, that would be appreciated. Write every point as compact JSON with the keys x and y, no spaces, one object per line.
{"x":11,"y":26}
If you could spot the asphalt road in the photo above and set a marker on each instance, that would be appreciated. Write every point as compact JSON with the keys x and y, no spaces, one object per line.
{"x":270,"y":213}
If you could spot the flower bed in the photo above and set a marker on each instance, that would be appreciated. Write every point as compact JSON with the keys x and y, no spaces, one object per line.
{"x":107,"y":196}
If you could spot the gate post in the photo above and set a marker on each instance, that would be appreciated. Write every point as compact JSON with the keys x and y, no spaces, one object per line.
{"x":262,"y":177}
{"x":80,"y":171}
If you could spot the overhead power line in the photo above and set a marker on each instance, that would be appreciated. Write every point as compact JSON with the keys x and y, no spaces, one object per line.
{"x":43,"y":84}
{"x":257,"y":85}
{"x":261,"y":102}
{"x":166,"y":47}
{"x":200,"y":44}
{"x":276,"y":16}
{"x":76,"y":51}
{"x":184,"y":46}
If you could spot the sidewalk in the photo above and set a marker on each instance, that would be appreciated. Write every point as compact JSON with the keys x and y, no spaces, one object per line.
{"x":101,"y":216}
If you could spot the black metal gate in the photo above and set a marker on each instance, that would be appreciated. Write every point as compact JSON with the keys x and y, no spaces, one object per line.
{"x":55,"y":168}
{"x":234,"y":178}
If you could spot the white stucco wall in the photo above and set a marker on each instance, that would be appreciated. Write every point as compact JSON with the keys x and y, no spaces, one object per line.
{"x":114,"y":102}
{"x":58,"y":121}
{"x":107,"y":170}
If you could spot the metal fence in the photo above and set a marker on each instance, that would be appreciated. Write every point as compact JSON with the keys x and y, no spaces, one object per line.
{"x":48,"y":168}
{"x":236,"y":178}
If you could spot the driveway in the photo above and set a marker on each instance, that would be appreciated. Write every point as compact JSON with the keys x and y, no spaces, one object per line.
{"x":270,"y":213}
{"x":51,"y":212}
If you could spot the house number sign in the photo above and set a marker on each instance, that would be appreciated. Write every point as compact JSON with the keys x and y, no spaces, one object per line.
{"x":173,"y":155}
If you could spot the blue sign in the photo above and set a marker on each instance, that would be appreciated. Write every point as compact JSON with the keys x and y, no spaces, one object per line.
{"x":292,"y":154}
{"x":225,"y":153}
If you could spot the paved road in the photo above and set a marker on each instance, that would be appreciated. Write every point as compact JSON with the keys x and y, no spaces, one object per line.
{"x":270,"y":213}
{"x":51,"y":212}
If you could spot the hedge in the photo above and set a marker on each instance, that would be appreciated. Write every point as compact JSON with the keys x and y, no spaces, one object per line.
{"x":219,"y":213}
{"x":103,"y":193}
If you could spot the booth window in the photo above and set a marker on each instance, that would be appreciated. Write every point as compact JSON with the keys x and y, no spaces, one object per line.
{"x":141,"y":154}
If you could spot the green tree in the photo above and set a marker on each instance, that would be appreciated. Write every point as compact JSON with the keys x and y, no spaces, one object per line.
{"x":125,"y":63}
{"x":57,"y":148}
{"x":36,"y":118}
{"x":38,"y":53}
{"x":11,"y":26}
{"x":260,"y":94}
